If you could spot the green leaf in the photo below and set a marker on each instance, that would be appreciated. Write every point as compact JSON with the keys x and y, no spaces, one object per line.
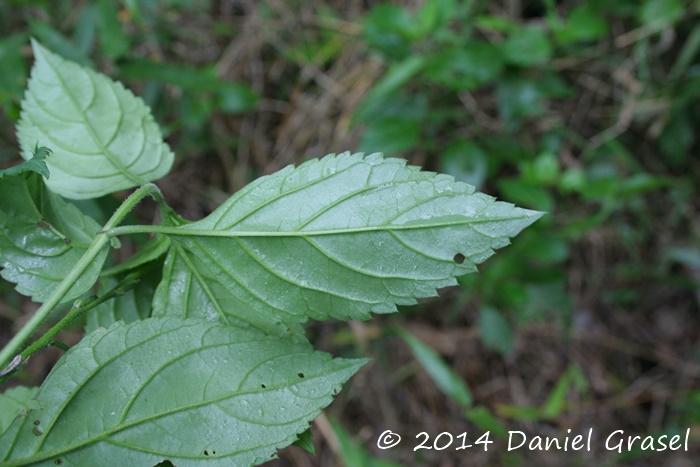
{"x":442,"y":375}
{"x":518,"y":98}
{"x":104,"y":138}
{"x":389,"y":29}
{"x":12,"y":71}
{"x":36,"y":164}
{"x":153,"y":249}
{"x":582,"y":24}
{"x":58,"y":42}
{"x":527,"y":46}
{"x":347,"y":235}
{"x":495,"y":330}
{"x":434,"y":15}
{"x":557,"y":400}
{"x":466,"y":68}
{"x":188,"y":391}
{"x":306,"y":442}
{"x":229,"y":96}
{"x":394,"y":134}
{"x":486,"y":421}
{"x":15,"y":403}
{"x":661,"y":14}
{"x":397,"y":75}
{"x":188,"y":290}
{"x":466,"y":161}
{"x":114,"y":42}
{"x":42,"y":237}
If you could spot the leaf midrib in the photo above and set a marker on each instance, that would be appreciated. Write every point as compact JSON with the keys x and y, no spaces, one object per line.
{"x":188,"y":232}
{"x":104,"y":435}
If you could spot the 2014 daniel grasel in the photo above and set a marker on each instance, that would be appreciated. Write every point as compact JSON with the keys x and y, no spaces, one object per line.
{"x":615,"y":441}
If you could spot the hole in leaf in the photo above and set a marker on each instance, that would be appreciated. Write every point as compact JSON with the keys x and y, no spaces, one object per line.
{"x":164,"y":463}
{"x":206,"y":453}
{"x":459,"y":258}
{"x":213,"y":453}
{"x":263,"y":386}
{"x":300,"y":374}
{"x":58,"y":462}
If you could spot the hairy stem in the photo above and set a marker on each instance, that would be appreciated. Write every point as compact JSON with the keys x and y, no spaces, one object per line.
{"x":101,"y":241}
{"x":80,"y":307}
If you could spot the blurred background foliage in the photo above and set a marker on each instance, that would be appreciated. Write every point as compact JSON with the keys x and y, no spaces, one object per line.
{"x":585,"y":109}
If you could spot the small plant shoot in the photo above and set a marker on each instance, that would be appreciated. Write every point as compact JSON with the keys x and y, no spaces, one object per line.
{"x":194,"y":349}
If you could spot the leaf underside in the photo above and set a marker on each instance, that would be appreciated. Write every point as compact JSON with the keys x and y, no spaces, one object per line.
{"x":42,"y":237}
{"x":103,"y":137}
{"x":15,"y":402}
{"x":190,"y":391}
{"x":188,"y":290}
{"x":348,"y":235}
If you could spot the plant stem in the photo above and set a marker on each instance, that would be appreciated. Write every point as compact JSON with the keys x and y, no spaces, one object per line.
{"x":80,"y":307}
{"x":100,"y":241}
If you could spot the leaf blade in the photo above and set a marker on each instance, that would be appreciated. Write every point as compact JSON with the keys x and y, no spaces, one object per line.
{"x":42,"y":237}
{"x":104,"y":137}
{"x":188,"y":290}
{"x":37,"y":163}
{"x":14,"y":402}
{"x":248,"y":394}
{"x":347,"y":235}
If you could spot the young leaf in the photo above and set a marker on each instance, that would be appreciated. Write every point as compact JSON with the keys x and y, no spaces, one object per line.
{"x":348,"y":235}
{"x":184,"y":390}
{"x":13,"y":402}
{"x":42,"y":237}
{"x":306,"y":442}
{"x":36,"y":164}
{"x":188,"y":290}
{"x":104,"y":138}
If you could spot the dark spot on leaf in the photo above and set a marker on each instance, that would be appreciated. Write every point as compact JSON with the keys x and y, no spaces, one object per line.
{"x":37,"y":422}
{"x":42,"y":224}
{"x":67,"y":240}
{"x":263,"y":386}
{"x":300,"y":374}
{"x":58,"y":462}
{"x":206,"y":453}
{"x":37,"y":431}
{"x":459,"y":258}
{"x":213,"y":453}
